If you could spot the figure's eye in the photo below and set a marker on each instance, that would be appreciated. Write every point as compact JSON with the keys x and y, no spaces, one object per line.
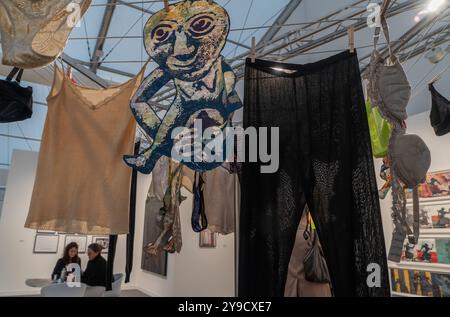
{"x":161,"y":32}
{"x":201,"y":26}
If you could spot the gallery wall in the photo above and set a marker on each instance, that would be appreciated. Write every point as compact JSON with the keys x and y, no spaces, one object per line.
{"x":18,"y":262}
{"x":193,"y":272}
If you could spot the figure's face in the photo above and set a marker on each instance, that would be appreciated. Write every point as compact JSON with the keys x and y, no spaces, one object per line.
{"x":92,"y":254}
{"x":73,"y":252}
{"x":187,"y":40}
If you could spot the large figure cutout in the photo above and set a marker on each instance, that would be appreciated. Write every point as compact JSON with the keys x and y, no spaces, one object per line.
{"x":186,"y":43}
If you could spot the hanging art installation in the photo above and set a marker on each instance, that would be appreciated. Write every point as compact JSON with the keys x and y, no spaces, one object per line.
{"x":186,"y":41}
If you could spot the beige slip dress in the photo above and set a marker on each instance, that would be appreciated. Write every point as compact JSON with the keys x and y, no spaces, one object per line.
{"x":82,"y":184}
{"x":35,"y":32}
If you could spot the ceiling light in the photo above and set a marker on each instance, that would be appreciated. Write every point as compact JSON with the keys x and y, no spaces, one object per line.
{"x":434,"y":5}
{"x":435,"y":55}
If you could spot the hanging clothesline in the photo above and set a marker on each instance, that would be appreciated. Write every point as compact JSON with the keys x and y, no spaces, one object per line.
{"x":250,"y":28}
{"x":243,"y":59}
{"x":146,"y":2}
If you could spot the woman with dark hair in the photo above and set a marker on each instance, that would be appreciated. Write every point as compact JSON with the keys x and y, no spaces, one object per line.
{"x":95,"y":274}
{"x":70,"y":256}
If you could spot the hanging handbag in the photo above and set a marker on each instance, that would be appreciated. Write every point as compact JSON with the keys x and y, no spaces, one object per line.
{"x":16,"y":102}
{"x":316,"y":269}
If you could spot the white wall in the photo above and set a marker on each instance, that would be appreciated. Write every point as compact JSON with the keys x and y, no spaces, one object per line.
{"x":18,"y":262}
{"x":193,"y":272}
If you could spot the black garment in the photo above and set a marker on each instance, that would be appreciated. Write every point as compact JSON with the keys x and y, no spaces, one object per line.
{"x":60,"y":265}
{"x":130,"y":237}
{"x":326,"y":162}
{"x":95,"y":274}
{"x":110,"y":263}
{"x":440,"y":112}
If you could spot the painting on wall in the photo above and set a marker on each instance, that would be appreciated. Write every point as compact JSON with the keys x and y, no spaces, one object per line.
{"x":433,"y":215}
{"x":46,"y":243}
{"x":154,"y":263}
{"x":103,"y":241}
{"x":443,"y":250}
{"x":422,"y":283}
{"x":425,"y":251}
{"x":437,"y":186}
{"x":81,"y":240}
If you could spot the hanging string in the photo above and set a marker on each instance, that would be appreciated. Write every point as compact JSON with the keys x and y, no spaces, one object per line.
{"x":242,"y":31}
{"x":87,"y":41}
{"x":122,"y":37}
{"x":25,"y":138}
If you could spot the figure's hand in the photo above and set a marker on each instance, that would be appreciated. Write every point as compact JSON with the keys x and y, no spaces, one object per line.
{"x":152,"y":250}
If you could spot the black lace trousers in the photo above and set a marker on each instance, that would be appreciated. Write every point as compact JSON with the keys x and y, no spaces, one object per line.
{"x":326,"y":162}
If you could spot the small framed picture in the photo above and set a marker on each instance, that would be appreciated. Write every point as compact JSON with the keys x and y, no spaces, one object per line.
{"x":103,"y":241}
{"x":436,"y":187}
{"x":46,"y":243}
{"x":81,"y":240}
{"x":208,"y":239}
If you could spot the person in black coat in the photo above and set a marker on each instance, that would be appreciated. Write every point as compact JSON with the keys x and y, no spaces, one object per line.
{"x":70,"y":256}
{"x":95,"y":273}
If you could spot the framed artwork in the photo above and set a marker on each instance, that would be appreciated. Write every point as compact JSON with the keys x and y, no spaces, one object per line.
{"x":421,"y":283}
{"x":434,"y":216}
{"x":46,"y":243}
{"x":425,"y":251}
{"x":436,"y":187}
{"x":78,"y":239}
{"x":103,"y":241}
{"x":153,"y":263}
{"x":208,"y":239}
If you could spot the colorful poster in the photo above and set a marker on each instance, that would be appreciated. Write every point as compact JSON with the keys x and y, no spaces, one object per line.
{"x":422,"y":283}
{"x":437,"y":185}
{"x":443,"y":250}
{"x":434,"y":215}
{"x":424,"y":251}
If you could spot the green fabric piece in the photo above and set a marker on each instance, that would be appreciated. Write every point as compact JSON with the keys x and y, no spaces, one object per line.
{"x":380,"y":131}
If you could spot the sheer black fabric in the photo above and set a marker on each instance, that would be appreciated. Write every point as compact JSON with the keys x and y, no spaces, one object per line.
{"x":440,"y":112}
{"x":326,"y":162}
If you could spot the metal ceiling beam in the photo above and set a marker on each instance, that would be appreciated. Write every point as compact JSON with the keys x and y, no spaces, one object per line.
{"x":282,"y":19}
{"x":292,"y":52}
{"x":85,"y":71}
{"x":429,"y":36}
{"x":290,"y":42}
{"x":411,"y":33}
{"x":107,"y":69}
{"x":103,"y":32}
{"x":133,"y":6}
{"x":19,"y":137}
